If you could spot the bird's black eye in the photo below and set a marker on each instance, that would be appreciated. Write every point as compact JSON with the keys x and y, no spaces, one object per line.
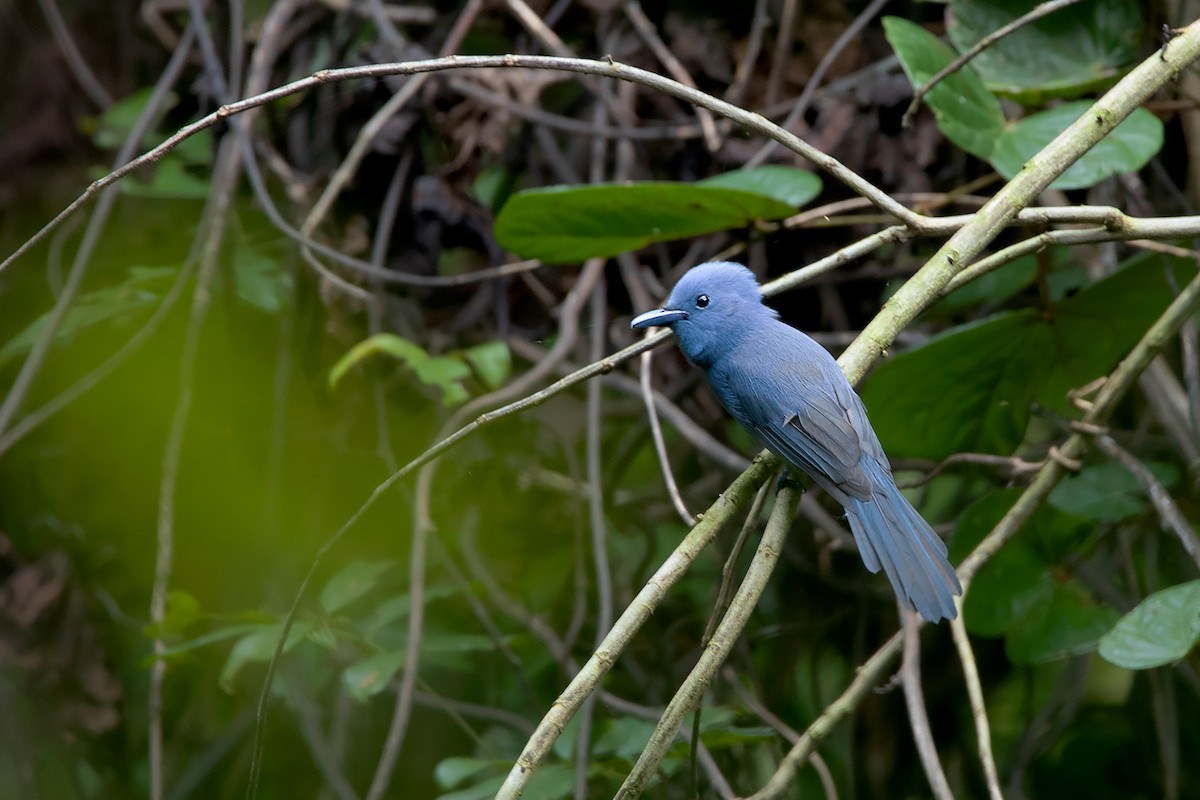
{"x":702,"y":301}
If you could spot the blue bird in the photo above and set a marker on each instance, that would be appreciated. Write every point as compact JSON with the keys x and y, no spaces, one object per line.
{"x":789,"y":393}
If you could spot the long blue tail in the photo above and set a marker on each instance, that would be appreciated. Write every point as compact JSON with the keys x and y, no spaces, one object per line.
{"x":892,"y":535}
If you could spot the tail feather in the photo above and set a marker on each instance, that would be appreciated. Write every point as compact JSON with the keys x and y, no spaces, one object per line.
{"x":892,"y":535}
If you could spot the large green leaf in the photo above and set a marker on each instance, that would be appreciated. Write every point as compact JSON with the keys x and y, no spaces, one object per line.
{"x":1068,"y":621}
{"x":1126,"y":149}
{"x":1022,"y":593}
{"x":786,"y":184}
{"x":1162,"y":628}
{"x":1064,"y":54}
{"x":970,"y":388}
{"x":1107,"y":491}
{"x":967,"y":113}
{"x":566,"y":224}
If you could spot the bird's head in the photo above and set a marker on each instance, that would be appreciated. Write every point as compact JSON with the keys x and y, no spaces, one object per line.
{"x":710,"y":308}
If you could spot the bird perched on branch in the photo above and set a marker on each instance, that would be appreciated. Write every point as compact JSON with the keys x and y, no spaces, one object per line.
{"x":789,"y":393}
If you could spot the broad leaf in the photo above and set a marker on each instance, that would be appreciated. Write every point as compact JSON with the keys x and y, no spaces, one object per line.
{"x":1064,"y":54}
{"x":1021,"y":593}
{"x":786,"y":184}
{"x":567,"y":224}
{"x":1106,"y":491}
{"x":970,"y":388}
{"x":1127,"y":147}
{"x":1162,"y":629}
{"x":967,"y":113}
{"x":1067,"y":622}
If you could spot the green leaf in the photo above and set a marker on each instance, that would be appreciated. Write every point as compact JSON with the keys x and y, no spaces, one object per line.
{"x":386,"y":343}
{"x":1067,"y":622}
{"x":992,"y":288}
{"x":481,"y":791}
{"x":1006,"y":589}
{"x":352,"y":582}
{"x":737,"y":737}
{"x":259,"y":646}
{"x":450,"y":772}
{"x":261,"y":280}
{"x":966,"y":112}
{"x":385,"y":613}
{"x":110,"y":130}
{"x":1106,"y":491}
{"x":169,"y":180}
{"x":207,"y":639}
{"x":367,"y":678}
{"x":970,"y":388}
{"x":443,"y":372}
{"x":1162,"y":629}
{"x":1022,"y":574}
{"x":550,"y":782}
{"x":183,"y":610}
{"x":140,"y":290}
{"x":624,"y":737}
{"x":1089,"y":339}
{"x":567,"y":224}
{"x":1063,"y":54}
{"x":1126,"y":149}
{"x":786,"y":184}
{"x":492,"y":363}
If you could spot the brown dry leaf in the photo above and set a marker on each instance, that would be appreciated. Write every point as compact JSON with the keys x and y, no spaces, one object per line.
{"x":473,"y":125}
{"x":701,"y":46}
{"x":33,"y":589}
{"x":53,"y":650}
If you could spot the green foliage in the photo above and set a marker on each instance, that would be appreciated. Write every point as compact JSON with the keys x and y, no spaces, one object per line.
{"x":1107,"y":491}
{"x":115,"y":304}
{"x":971,"y":387}
{"x":352,"y":582}
{"x":491,"y":361}
{"x":169,"y":178}
{"x":273,"y":463}
{"x":1021,"y":593}
{"x":259,"y":646}
{"x":1162,"y":629}
{"x":967,"y":113}
{"x":1092,"y":41}
{"x":367,"y":678}
{"x":564,"y":224}
{"x":260,"y":280}
{"x":1127,"y":149}
{"x":1064,"y":54}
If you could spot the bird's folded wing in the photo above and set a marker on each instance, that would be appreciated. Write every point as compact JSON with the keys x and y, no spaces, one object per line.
{"x":819,"y":437}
